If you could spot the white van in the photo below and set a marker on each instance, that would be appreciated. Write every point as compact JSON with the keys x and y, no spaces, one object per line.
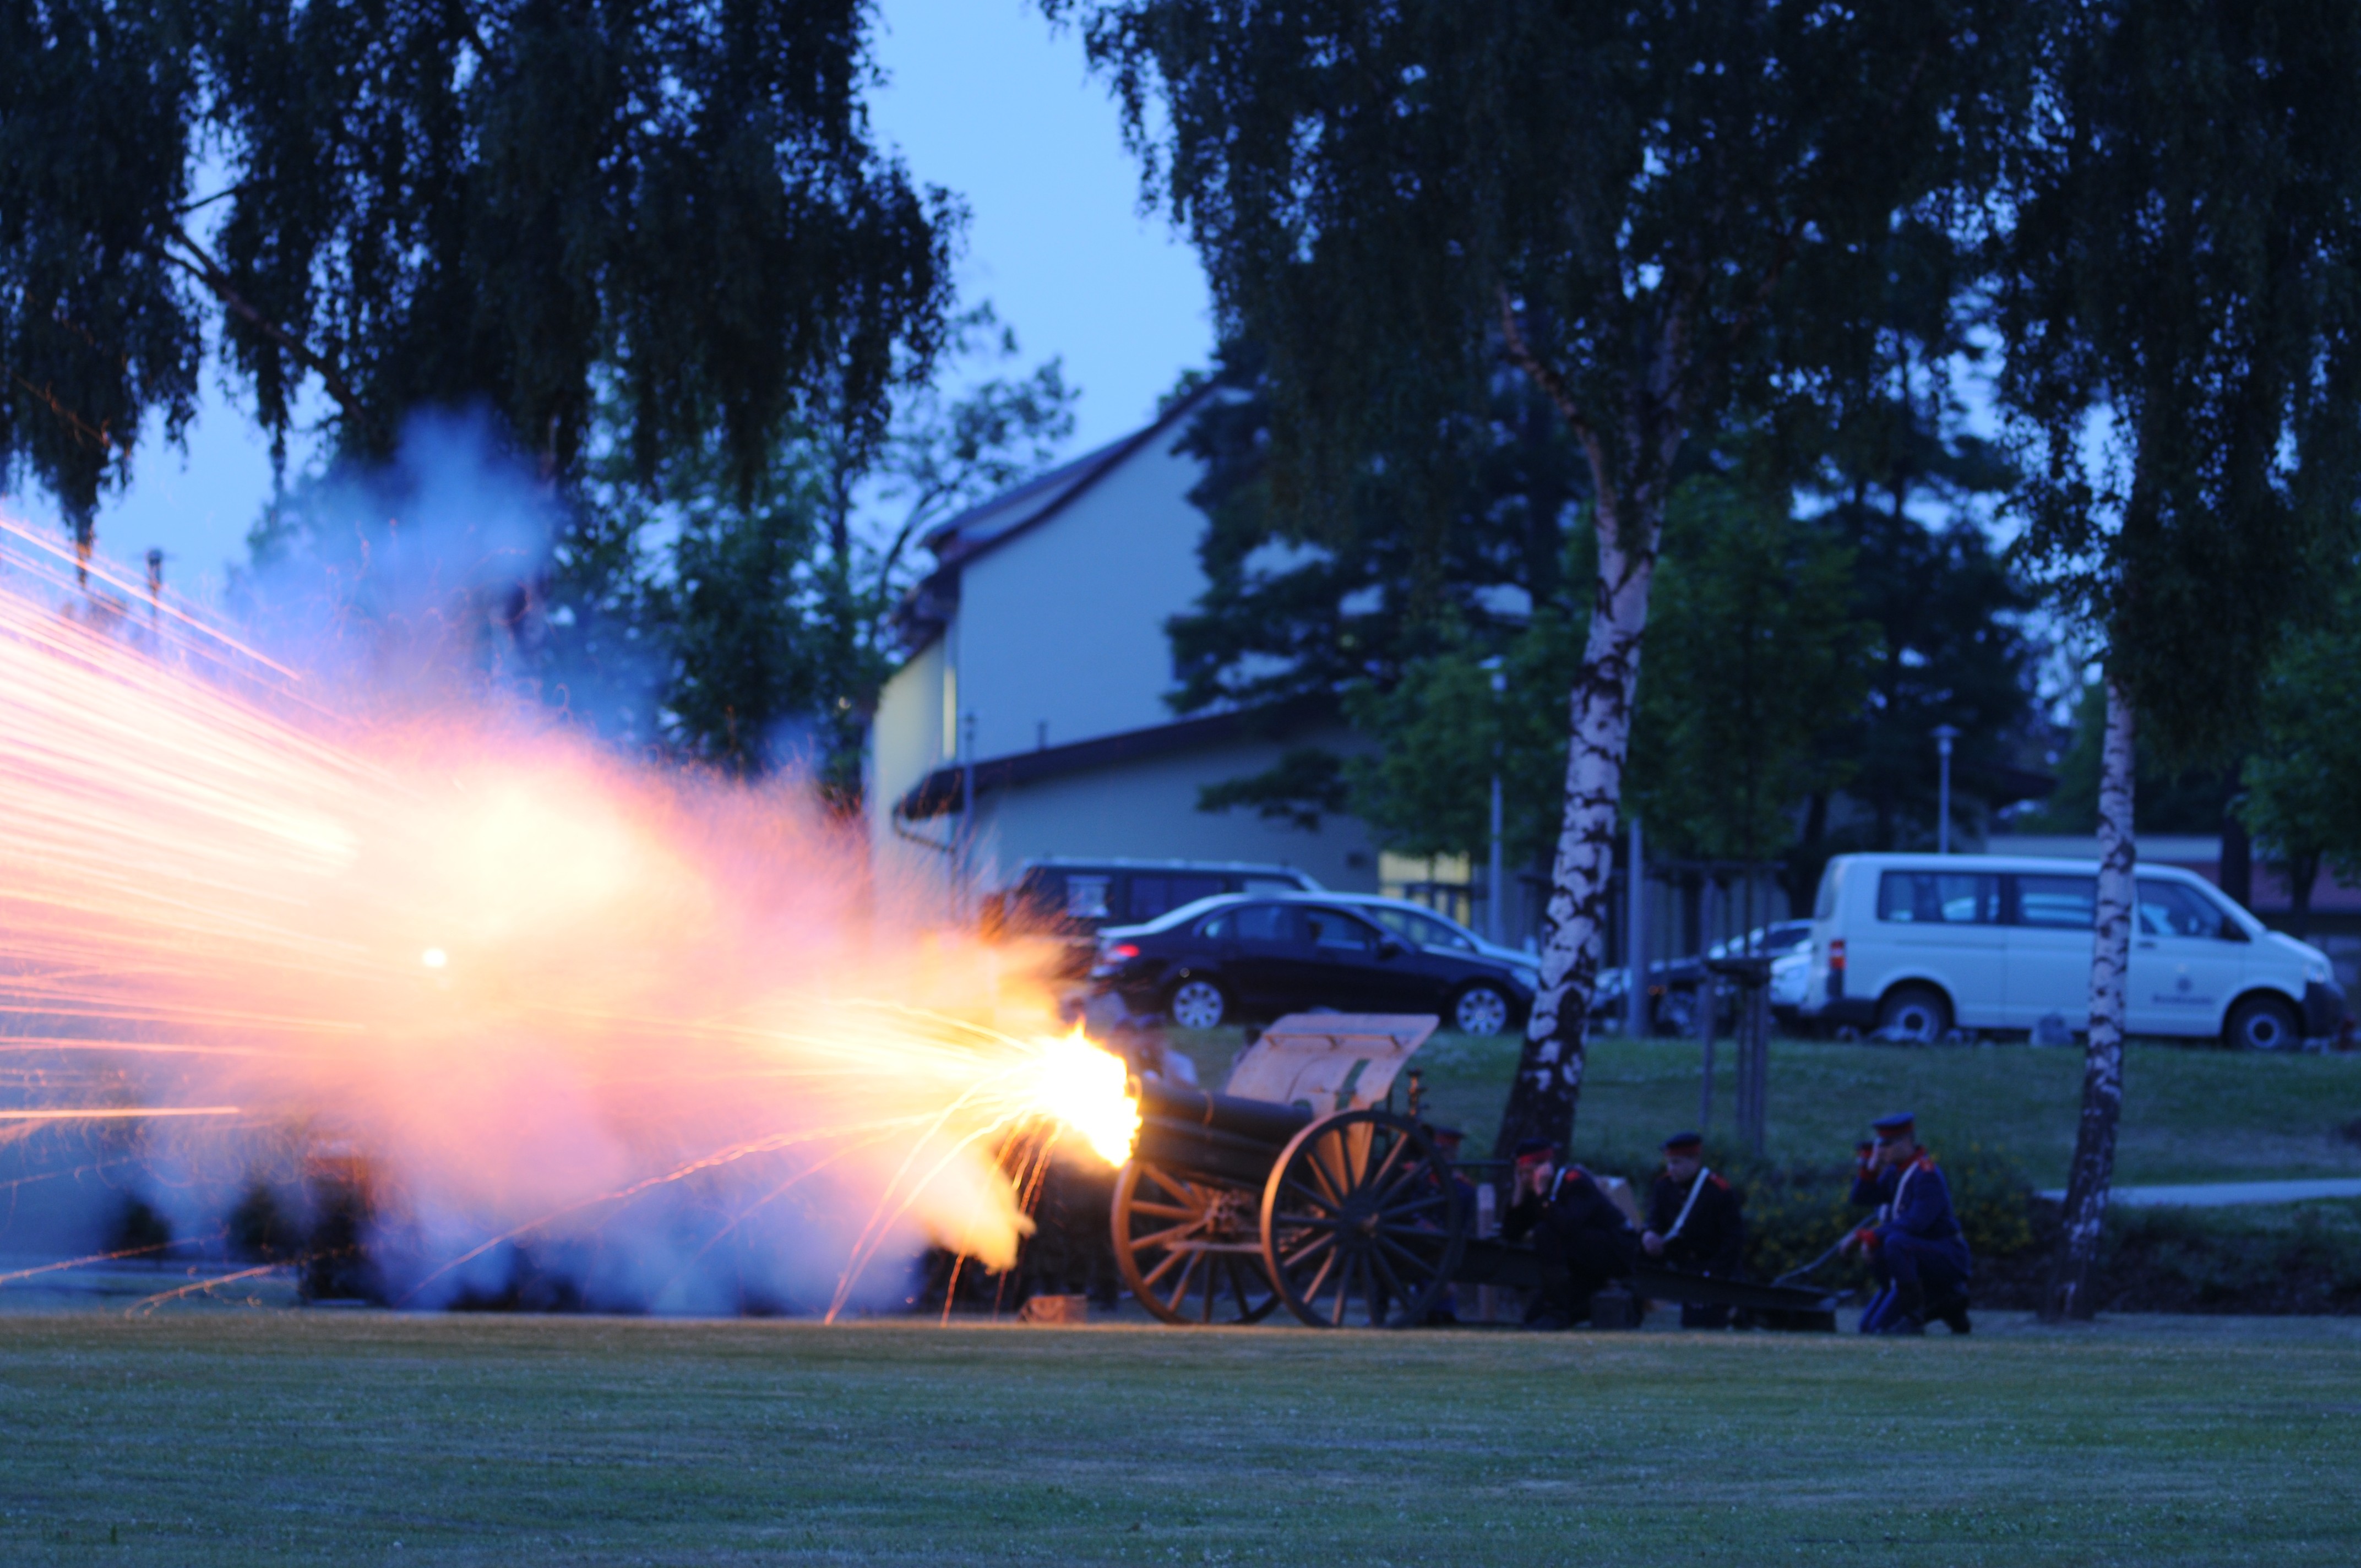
{"x":1915,"y":944}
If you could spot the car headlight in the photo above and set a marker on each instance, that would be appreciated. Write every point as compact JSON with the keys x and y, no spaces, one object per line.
{"x":2316,"y":971}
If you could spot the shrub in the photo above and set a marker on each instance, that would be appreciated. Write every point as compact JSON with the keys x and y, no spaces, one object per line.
{"x":139,"y":1228}
{"x":1795,"y":1212}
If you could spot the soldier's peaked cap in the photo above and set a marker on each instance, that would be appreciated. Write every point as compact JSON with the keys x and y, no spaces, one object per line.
{"x":1900,"y":1122}
{"x":1682,"y":1141}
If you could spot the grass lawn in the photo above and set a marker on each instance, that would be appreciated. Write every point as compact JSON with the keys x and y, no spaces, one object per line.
{"x":206,"y":1438}
{"x":2188,"y":1114}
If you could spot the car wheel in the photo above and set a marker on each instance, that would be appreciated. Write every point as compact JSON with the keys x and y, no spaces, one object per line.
{"x":1919,"y":1013}
{"x":2262,"y":1024}
{"x":1197,"y":1004}
{"x":1480,"y":1010}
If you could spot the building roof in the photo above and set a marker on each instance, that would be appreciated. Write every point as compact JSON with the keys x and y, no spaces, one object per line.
{"x":992,"y":523}
{"x":987,"y":526}
{"x":938,"y":793}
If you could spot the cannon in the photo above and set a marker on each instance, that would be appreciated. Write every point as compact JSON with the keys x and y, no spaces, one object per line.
{"x":1293,"y":1186}
{"x":1298,"y":1185}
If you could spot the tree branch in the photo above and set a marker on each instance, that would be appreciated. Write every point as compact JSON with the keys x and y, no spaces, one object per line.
{"x":1545,"y":377}
{"x":215,"y":278}
{"x":83,"y":429}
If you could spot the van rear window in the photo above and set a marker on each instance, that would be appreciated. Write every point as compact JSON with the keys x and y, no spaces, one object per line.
{"x":1938,"y":898}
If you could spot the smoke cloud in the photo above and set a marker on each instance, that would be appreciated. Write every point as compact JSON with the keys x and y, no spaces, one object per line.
{"x":324,"y":912}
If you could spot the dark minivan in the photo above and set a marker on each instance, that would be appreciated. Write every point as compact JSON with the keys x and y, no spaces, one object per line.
{"x":1253,"y":955}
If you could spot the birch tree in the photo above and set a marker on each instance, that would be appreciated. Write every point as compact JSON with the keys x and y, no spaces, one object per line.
{"x":2178,"y":291}
{"x":1654,"y":213}
{"x":506,"y":204}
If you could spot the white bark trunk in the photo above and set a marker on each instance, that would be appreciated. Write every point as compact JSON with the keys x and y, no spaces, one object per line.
{"x":2103,"y":1061}
{"x":1550,"y":1073}
{"x":1631,"y":482}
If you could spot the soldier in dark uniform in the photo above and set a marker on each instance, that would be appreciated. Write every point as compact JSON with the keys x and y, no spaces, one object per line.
{"x":1580,"y":1238}
{"x":1915,"y":1242}
{"x":1694,"y":1224}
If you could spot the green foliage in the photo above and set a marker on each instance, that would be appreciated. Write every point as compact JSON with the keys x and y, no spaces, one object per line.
{"x":1303,"y":608}
{"x":2169,"y":801}
{"x":1795,"y":1212}
{"x":1755,"y":659}
{"x":137,"y":1227}
{"x":259,"y":1229}
{"x":507,"y":202}
{"x":97,"y":105}
{"x":1373,"y":186}
{"x":2304,"y":783}
{"x":2302,"y":1259}
{"x":2179,"y":289}
{"x":746,"y":658}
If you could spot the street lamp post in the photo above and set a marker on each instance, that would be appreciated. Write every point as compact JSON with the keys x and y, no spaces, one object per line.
{"x":1495,"y":927}
{"x":1944,"y":735}
{"x":966,"y":868}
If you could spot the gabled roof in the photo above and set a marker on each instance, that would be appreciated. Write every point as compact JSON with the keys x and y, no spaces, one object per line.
{"x":994,"y":523}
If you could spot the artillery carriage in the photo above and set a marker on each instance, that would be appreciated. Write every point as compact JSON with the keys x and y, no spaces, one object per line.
{"x":1298,"y":1185}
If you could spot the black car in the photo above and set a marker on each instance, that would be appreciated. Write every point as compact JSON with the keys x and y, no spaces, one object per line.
{"x":1226,"y":958}
{"x":1072,"y":900}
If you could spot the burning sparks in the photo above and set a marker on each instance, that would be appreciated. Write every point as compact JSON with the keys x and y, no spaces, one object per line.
{"x":1074,"y":1082}
{"x":657,"y":1061}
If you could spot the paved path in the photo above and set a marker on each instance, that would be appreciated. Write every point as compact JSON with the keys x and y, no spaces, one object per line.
{"x":2218,"y":1194}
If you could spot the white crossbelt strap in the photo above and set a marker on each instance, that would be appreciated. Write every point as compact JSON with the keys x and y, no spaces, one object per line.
{"x":1900,"y":1187}
{"x":1695,"y":1188}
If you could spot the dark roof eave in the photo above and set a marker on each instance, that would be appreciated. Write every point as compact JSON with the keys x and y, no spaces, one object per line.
{"x":938,"y":793}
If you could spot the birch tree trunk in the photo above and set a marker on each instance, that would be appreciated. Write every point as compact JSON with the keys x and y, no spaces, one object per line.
{"x":1549,"y":1073}
{"x":2068,"y":1295}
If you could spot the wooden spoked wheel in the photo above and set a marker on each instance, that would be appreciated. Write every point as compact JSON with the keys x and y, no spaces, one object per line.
{"x":1362,"y":1222}
{"x":1188,"y":1249}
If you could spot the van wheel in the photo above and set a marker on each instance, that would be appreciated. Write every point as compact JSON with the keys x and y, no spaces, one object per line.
{"x":1919,"y":1013}
{"x":1480,"y":1010}
{"x":2262,"y":1024}
{"x":1197,"y":1004}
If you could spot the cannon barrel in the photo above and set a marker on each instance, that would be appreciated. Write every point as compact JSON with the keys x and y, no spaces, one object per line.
{"x":1215,"y":1136}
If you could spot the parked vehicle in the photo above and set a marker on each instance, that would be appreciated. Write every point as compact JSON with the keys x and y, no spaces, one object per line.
{"x":1416,"y":923}
{"x":1674,"y":984}
{"x":1075,"y":899}
{"x":1913,"y":945}
{"x":1245,"y":956}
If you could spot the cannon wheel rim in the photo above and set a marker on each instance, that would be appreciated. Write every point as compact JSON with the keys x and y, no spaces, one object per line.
{"x":1368,"y":1188}
{"x":1178,"y":1284}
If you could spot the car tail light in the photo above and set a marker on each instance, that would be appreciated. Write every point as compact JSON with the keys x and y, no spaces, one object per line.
{"x":1836,"y":955}
{"x":1120,"y":952}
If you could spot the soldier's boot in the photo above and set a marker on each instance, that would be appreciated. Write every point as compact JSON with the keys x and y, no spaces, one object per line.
{"x":1950,"y":1309}
{"x":1910,"y":1314}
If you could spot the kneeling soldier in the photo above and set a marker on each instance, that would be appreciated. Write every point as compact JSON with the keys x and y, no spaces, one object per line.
{"x":1694,"y":1223}
{"x":1580,"y":1238}
{"x":1915,"y":1244}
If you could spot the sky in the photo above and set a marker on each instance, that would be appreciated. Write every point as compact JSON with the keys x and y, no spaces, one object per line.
{"x":982,"y":98}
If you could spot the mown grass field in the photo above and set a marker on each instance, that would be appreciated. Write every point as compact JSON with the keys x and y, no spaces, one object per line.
{"x":213,"y":1438}
{"x":2188,"y":1114}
